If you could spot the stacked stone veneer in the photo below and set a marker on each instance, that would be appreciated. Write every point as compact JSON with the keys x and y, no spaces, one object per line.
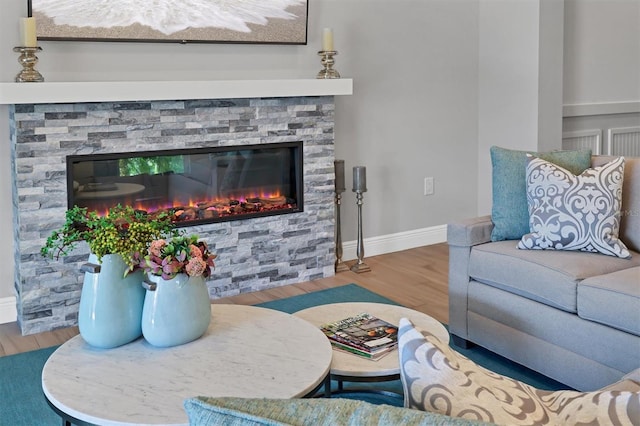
{"x":253,"y":254}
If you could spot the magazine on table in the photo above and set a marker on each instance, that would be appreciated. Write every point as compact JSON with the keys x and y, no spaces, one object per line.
{"x":363,"y":332}
{"x":373,"y":356}
{"x":336,"y":338}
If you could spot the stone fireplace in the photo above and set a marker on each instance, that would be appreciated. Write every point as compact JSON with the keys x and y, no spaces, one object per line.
{"x":254,"y":253}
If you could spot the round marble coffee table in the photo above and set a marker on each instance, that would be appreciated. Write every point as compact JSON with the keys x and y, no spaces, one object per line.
{"x":247,"y":352}
{"x":352,"y":368}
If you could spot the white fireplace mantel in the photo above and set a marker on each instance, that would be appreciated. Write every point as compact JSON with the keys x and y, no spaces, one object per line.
{"x":123,"y":91}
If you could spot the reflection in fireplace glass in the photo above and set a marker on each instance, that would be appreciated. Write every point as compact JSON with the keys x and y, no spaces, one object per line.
{"x":194,"y":186}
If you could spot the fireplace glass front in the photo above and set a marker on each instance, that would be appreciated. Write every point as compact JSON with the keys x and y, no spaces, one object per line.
{"x":194,"y":186}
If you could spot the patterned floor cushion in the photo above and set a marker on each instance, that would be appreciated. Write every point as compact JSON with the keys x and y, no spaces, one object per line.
{"x":437,"y":379}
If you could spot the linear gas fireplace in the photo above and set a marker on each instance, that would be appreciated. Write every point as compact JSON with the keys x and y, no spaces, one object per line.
{"x":194,"y":186}
{"x":203,"y":160}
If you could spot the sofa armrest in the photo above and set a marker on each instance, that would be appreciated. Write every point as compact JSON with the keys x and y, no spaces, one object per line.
{"x":461,"y":237}
{"x":470,"y":232}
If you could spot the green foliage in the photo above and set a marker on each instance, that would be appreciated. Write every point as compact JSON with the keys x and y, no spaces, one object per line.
{"x":122,"y":231}
{"x":151,"y":165}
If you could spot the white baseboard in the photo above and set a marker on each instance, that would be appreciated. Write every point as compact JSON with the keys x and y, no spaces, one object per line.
{"x":372,"y":247}
{"x":8,"y":312}
{"x":396,"y":242}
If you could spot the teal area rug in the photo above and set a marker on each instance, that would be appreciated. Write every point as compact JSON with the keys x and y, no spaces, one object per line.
{"x":342,"y":294}
{"x":23,"y":404}
{"x":21,"y":400}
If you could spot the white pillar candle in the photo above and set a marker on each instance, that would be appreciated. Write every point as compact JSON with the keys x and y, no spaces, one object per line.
{"x":359,"y":179}
{"x":327,"y":39}
{"x":28,"y":32}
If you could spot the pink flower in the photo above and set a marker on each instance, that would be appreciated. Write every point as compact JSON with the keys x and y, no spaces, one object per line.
{"x":194,"y":251}
{"x":156,"y":247}
{"x":196,"y":267}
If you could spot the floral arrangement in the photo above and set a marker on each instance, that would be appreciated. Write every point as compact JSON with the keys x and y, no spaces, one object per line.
{"x":182,"y":254}
{"x":122,"y":231}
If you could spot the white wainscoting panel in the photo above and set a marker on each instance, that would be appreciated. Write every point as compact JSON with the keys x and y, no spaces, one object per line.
{"x":600,"y":108}
{"x":583,"y":139}
{"x":624,"y":141}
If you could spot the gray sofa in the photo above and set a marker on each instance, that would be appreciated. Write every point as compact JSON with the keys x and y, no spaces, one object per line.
{"x":572,"y":316}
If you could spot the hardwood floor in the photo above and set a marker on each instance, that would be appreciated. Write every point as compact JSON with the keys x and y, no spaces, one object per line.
{"x":415,"y":278}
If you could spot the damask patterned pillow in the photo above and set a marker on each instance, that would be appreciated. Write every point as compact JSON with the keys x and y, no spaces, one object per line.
{"x":569,"y":212}
{"x":435,"y":378}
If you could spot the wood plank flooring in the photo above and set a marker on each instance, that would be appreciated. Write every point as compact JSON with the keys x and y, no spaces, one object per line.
{"x":415,"y":278}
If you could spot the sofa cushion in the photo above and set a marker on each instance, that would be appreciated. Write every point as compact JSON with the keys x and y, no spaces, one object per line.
{"x":203,"y":411}
{"x":438,"y":379}
{"x":548,"y":277}
{"x":509,"y":211}
{"x":612,"y":299}
{"x":630,"y":216}
{"x":569,"y":212}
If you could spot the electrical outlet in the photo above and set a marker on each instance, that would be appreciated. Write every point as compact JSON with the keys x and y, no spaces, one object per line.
{"x":428,"y":186}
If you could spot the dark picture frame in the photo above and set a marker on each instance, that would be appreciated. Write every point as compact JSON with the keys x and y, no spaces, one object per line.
{"x":177,"y":21}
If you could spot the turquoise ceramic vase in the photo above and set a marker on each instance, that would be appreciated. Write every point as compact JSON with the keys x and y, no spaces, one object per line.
{"x":176,"y":311}
{"x":110,"y":303}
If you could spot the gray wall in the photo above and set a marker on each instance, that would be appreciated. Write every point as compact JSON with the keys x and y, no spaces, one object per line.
{"x":602,"y":51}
{"x":519,"y":80}
{"x":415,"y":111}
{"x":602,"y":67}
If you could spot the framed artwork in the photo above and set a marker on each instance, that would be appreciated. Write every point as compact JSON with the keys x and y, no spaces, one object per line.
{"x":181,"y":21}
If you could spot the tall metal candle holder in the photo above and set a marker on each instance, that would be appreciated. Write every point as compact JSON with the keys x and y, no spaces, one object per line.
{"x":340,"y":265}
{"x":360,"y":187}
{"x":339,"y":189}
{"x":28,"y":60}
{"x":327,"y":62}
{"x":360,"y":266}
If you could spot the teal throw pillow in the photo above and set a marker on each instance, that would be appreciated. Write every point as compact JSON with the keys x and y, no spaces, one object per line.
{"x":509,"y":211}
{"x":203,"y":411}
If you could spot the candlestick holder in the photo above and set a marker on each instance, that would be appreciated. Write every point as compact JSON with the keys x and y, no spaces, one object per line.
{"x":328,"y":62}
{"x":28,"y":60}
{"x":360,"y":266}
{"x":339,"y":265}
